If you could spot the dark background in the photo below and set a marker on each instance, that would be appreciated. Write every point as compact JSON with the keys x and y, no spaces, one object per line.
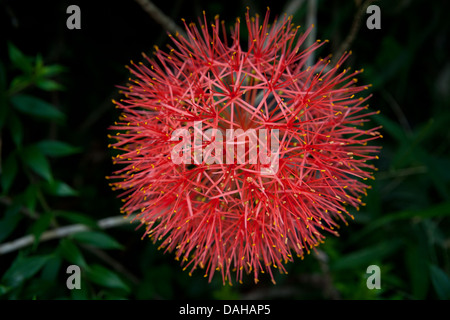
{"x":403,"y":229}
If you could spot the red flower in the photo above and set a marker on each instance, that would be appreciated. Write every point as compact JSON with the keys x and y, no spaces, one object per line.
{"x":237,"y":215}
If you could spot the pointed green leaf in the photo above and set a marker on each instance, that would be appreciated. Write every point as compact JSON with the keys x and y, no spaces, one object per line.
{"x":40,"y":226}
{"x":49,"y":85}
{"x":36,"y":107}
{"x":39,"y":63}
{"x":441,"y":282}
{"x":22,"y":269}
{"x":61,"y":189}
{"x":437,"y":171}
{"x":9,"y":172}
{"x":16,"y":130}
{"x":36,"y":161}
{"x":19,"y":83}
{"x":417,"y":268}
{"x":439,"y":210}
{"x":51,"y":269}
{"x":9,"y":221}
{"x":53,"y":148}
{"x":97,"y":239}
{"x":366,"y":256}
{"x":106,"y":278}
{"x":4,"y":290}
{"x":69,"y":251}
{"x":18,"y":59}
{"x":29,"y":196}
{"x":76,"y":217}
{"x":52,"y":70}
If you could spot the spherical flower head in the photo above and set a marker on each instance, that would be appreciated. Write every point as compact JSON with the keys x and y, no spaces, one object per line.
{"x":234,"y":155}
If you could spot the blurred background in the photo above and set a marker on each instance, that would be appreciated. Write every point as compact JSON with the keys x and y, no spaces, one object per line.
{"x":56,"y":208}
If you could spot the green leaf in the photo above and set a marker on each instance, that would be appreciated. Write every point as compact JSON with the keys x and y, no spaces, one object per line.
{"x":39,"y":63}
{"x":19,"y":83}
{"x":417,"y":266}
{"x":69,"y":251}
{"x":439,"y":210}
{"x":16,"y":130}
{"x":97,"y":239}
{"x":51,"y":269}
{"x":52,"y":70}
{"x":49,"y":85}
{"x":9,"y":221}
{"x":18,"y":59}
{"x":36,"y":107}
{"x":366,"y":256}
{"x":393,"y":57}
{"x":76,"y":217}
{"x":4,"y":290}
{"x":53,"y":148}
{"x":107,"y":278}
{"x":9,"y":172}
{"x":22,"y":269}
{"x":29,"y":196}
{"x":40,"y":226}
{"x":60,"y":189}
{"x":441,"y":282}
{"x":437,"y":171}
{"x":36,"y":161}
